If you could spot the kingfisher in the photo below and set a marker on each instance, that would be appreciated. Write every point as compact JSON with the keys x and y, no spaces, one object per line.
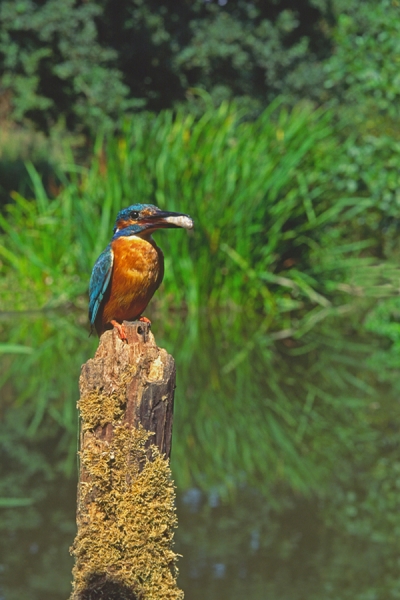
{"x":131,"y":268}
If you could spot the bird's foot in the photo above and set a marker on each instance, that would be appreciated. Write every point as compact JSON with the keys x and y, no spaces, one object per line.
{"x":144,"y":320}
{"x":121,"y":330}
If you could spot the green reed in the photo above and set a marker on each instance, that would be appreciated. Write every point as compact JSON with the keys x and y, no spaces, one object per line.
{"x":271,"y":257}
{"x":260,"y":193}
{"x":275,"y":390}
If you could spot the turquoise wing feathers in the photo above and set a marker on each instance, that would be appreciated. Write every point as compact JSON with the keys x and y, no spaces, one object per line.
{"x":99,"y":281}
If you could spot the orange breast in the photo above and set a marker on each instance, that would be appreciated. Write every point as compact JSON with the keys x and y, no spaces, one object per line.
{"x":138,"y":271}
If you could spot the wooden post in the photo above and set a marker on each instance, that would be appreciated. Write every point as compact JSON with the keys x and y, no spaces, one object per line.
{"x":126,"y":513}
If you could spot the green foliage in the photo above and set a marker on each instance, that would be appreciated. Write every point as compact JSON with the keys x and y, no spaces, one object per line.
{"x":271,"y":241}
{"x":364,"y":69}
{"x":88,"y":63}
{"x":260,"y":194}
{"x":363,"y":78}
{"x":287,"y":209}
{"x":300,"y":434}
{"x":55,"y":67}
{"x":253,"y":51}
{"x":19,"y":145}
{"x":368,"y":167}
{"x":239,"y":181}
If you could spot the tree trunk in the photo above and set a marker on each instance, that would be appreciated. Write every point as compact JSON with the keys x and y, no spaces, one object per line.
{"x":126,"y":514}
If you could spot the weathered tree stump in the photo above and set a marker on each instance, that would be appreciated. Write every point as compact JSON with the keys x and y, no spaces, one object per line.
{"x":126,"y":513}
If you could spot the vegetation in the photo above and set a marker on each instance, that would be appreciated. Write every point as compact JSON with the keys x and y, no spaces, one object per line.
{"x":270,"y":240}
{"x":79,"y":63}
{"x":278,"y":240}
{"x":77,"y":66}
{"x":281,"y":308}
{"x":120,"y":551}
{"x":362,"y":70}
{"x":304,"y":438}
{"x":262,"y":193}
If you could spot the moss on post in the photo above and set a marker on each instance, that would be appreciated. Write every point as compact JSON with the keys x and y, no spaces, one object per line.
{"x":126,"y":514}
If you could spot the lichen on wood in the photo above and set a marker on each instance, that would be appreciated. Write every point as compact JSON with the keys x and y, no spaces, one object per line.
{"x":126,"y":514}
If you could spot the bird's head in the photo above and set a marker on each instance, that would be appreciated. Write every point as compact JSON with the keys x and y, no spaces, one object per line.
{"x":146,"y":218}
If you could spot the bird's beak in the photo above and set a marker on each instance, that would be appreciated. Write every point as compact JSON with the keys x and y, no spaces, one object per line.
{"x":163,"y":219}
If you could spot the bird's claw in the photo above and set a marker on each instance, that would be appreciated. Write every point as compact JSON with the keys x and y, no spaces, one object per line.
{"x":144,"y":320}
{"x":120,"y":329}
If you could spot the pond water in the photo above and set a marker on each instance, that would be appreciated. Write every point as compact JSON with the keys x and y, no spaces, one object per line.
{"x":285,"y":455}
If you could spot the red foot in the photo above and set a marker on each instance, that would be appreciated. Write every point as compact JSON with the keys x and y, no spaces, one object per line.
{"x":121,"y":330}
{"x":144,"y":320}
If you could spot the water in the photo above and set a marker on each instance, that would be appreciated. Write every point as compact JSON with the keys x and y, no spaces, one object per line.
{"x":285,"y":455}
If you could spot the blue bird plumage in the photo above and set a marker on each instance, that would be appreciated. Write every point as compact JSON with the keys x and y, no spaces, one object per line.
{"x":101,"y":273}
{"x":99,"y":281}
{"x":133,"y":212}
{"x":130,"y":269}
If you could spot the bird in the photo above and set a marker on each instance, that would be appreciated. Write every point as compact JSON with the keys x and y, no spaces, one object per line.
{"x":131,"y":268}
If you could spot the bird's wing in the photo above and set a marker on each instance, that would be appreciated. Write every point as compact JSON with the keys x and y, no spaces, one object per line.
{"x":99,"y":281}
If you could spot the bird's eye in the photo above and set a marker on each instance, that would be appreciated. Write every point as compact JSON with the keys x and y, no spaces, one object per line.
{"x":134,"y":214}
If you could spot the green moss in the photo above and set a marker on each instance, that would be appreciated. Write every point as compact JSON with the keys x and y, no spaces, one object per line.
{"x":99,"y":408}
{"x":126,"y":517}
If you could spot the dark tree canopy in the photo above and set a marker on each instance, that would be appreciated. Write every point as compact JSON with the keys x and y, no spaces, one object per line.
{"x":86,"y":63}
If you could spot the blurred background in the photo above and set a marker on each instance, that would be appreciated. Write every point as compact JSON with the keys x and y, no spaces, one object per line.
{"x":275,"y":125}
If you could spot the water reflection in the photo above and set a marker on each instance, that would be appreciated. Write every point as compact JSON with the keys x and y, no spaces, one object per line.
{"x":285,"y":455}
{"x":249,"y":550}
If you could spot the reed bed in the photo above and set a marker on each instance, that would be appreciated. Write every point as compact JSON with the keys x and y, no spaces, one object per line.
{"x":260,"y":193}
{"x":273,"y":254}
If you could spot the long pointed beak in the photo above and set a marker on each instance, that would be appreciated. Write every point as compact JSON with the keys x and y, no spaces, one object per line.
{"x":164,"y":219}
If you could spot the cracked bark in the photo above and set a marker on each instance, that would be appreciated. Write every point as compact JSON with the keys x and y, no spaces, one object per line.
{"x":147,"y":395}
{"x":125,"y":387}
